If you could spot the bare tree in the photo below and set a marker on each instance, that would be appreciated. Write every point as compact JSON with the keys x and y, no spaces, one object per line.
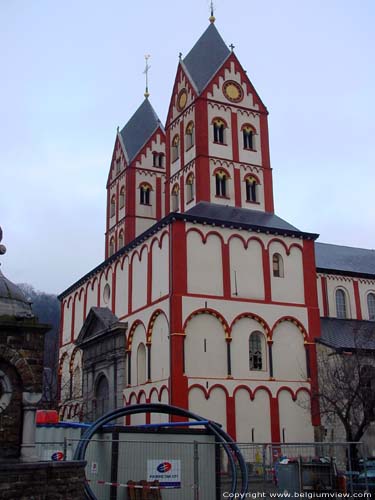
{"x":347,"y":387}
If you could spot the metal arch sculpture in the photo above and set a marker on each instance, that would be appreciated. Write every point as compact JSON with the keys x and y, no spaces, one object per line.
{"x":229,"y":445}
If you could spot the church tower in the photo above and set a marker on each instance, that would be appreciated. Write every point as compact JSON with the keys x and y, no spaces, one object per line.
{"x":135,"y":180}
{"x":216,"y":132}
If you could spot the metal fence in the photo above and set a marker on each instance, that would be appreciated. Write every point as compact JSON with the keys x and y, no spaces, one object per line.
{"x":185,"y":468}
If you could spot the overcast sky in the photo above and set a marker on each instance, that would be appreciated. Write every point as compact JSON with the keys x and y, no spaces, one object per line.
{"x":71,"y":72}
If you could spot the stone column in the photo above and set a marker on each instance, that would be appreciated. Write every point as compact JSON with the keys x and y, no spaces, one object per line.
{"x":30,"y":401}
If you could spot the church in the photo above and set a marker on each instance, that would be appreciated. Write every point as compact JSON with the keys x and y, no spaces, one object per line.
{"x":206,"y":299}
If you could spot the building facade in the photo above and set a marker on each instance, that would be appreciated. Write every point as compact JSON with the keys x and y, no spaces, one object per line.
{"x":218,"y":299}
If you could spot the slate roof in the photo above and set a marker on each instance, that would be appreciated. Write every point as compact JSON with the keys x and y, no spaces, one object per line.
{"x":347,"y":260}
{"x":347,"y":334}
{"x":139,"y":129}
{"x":206,"y":57}
{"x":13,"y":301}
{"x":245,"y":216}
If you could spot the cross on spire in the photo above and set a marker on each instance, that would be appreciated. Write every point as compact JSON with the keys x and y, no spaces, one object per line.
{"x":231,"y":46}
{"x":147,"y":57}
{"x":212,"y":18}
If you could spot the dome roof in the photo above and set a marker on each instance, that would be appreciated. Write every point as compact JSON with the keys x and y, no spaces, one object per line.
{"x":13,"y":301}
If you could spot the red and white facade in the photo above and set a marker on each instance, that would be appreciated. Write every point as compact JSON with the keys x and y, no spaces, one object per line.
{"x":193,"y":290}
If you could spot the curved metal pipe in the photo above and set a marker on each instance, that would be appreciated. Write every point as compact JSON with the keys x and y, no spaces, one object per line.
{"x":229,"y":445}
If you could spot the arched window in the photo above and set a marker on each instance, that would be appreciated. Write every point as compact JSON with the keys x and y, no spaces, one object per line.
{"x":113,"y":206}
{"x":219,"y":126}
{"x":175,"y":198}
{"x":189,"y":135}
{"x":248,"y":133}
{"x":121,"y":239}
{"x":122,"y":197}
{"x":221,"y":183}
{"x":175,"y":148}
{"x":278,"y":265}
{"x":101,"y":397}
{"x":371,"y":306}
{"x":112,"y":246}
{"x":341,"y":307}
{"x":190,"y":187}
{"x":251,"y":188}
{"x":141,"y":364}
{"x":144,"y":194}
{"x":255,"y":351}
{"x":157,"y":160}
{"x":77,"y":383}
{"x":118,"y":165}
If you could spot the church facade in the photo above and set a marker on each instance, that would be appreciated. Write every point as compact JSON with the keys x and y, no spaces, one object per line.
{"x":206,"y":298}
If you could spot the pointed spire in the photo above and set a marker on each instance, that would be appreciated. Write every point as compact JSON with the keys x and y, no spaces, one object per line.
{"x":212,"y":18}
{"x":147,"y":57}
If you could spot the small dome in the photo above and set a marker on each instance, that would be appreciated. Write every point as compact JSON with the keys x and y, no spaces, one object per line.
{"x":13,"y":301}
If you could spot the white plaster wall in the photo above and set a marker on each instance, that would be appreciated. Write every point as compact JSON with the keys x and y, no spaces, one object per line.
{"x":345,"y":284}
{"x":246,"y":266}
{"x":288,"y":353}
{"x":204,"y":264}
{"x":106,"y":279}
{"x":141,"y":225}
{"x":92,"y":295}
{"x":160,"y":268}
{"x":139,"y":336}
{"x":320,"y":295}
{"x":231,"y":74}
{"x":160,"y":349}
{"x":295,"y":418}
{"x":240,"y":350}
{"x":140,"y":280}
{"x":290,"y":288}
{"x":213,"y":408}
{"x":253,"y":415}
{"x":138,"y":418}
{"x":214,"y":149}
{"x":212,"y":360}
{"x":364,"y":289}
{"x":122,"y":288}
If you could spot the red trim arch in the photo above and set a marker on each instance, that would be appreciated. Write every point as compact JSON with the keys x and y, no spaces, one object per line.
{"x":138,"y":252}
{"x":250,"y":175}
{"x":211,"y":312}
{"x":140,"y":393}
{"x":249,"y":125}
{"x":126,"y":256}
{"x":72,"y":358}
{"x":61,"y":363}
{"x":221,"y":169}
{"x":218,"y":386}
{"x":199,"y":386}
{"x":257,"y":318}
{"x":219,"y":118}
{"x":287,"y":249}
{"x":295,"y":322}
{"x":303,"y":389}
{"x":129,"y":342}
{"x":159,"y":240}
{"x":162,"y":389}
{"x":151,"y":323}
{"x":205,"y":236}
{"x":247,"y":241}
{"x":287,"y":389}
{"x":145,"y":184}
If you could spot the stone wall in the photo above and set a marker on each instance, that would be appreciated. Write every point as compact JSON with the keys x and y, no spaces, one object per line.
{"x":42,"y":481}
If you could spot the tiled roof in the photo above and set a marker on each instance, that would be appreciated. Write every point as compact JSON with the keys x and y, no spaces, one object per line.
{"x":245,"y":216}
{"x":345,"y":259}
{"x":139,"y":129}
{"x":206,"y":57}
{"x":347,"y":334}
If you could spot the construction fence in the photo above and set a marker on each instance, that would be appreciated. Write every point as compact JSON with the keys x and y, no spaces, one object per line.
{"x":192,"y":467}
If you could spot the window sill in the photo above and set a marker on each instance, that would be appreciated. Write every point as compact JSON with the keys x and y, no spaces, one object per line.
{"x":174,"y":161}
{"x":250,"y":149}
{"x":253,"y":202}
{"x":220,"y":143}
{"x":190,"y":201}
{"x":222,"y":197}
{"x":189,"y":148}
{"x":146,"y":204}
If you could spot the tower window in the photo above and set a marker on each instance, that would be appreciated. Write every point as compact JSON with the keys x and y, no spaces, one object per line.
{"x":219,"y":130}
{"x":144,"y":194}
{"x":121,"y":239}
{"x":118,"y":166}
{"x":278,"y":266}
{"x":255,"y":351}
{"x":113,"y":206}
{"x":111,"y":246}
{"x":175,"y":148}
{"x":122,"y":197}
{"x":190,"y":187}
{"x":341,"y":307}
{"x":371,"y":306}
{"x":189,"y":135}
{"x":251,"y":188}
{"x":175,"y":198}
{"x":158,"y":160}
{"x":248,"y":134}
{"x":221,"y":183}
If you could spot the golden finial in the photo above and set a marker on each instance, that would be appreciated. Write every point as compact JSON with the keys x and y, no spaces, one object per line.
{"x":147,"y":57}
{"x":212,"y":18}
